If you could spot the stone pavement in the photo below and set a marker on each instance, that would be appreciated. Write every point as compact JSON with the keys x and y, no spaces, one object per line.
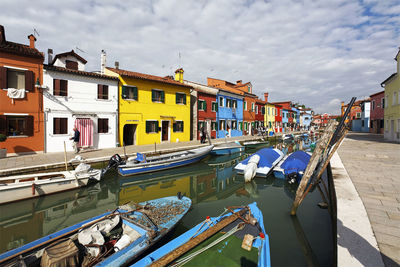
{"x":374,"y":168}
{"x":42,"y":161}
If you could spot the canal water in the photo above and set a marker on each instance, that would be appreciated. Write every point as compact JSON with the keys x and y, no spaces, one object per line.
{"x":212,"y":184}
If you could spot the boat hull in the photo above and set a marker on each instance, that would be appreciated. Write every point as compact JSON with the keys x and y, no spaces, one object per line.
{"x":269,"y":158}
{"x":226,"y":151}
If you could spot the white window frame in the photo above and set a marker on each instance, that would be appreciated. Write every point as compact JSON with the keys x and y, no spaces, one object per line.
{"x":201,"y":107}
{"x":256,"y":109}
{"x":212,"y":106}
{"x":244,"y":105}
{"x":221,"y":101}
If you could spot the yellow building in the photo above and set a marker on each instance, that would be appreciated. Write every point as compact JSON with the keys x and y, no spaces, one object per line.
{"x":152,"y":109}
{"x":269,"y":117}
{"x":392,"y":104}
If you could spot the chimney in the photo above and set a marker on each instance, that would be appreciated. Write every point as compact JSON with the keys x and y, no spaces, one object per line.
{"x":266,"y":97}
{"x":179,"y":75}
{"x":32,"y":40}
{"x":116,"y":64}
{"x":2,"y":34}
{"x":49,"y":56}
{"x":239,"y":82}
{"x":103,"y":61}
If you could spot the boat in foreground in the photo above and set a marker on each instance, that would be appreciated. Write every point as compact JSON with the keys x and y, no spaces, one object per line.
{"x":142,"y":164}
{"x":259,"y":163}
{"x":19,"y":187}
{"x":227,"y":148}
{"x":293,"y":166}
{"x":111,"y":239}
{"x":217,"y":241}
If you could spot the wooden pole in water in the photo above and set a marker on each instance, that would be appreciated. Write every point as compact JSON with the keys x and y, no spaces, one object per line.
{"x":65,"y":157}
{"x":312,"y":164}
{"x":163,"y":261}
{"x":155,"y":147}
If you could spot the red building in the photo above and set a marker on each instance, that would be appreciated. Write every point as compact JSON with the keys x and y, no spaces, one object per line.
{"x":278,"y":119}
{"x":21,"y":102}
{"x":377,"y":112}
{"x":355,"y":112}
{"x":260,"y":112}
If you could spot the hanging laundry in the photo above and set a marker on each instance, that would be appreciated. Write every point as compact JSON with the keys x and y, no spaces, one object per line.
{"x":14,"y":93}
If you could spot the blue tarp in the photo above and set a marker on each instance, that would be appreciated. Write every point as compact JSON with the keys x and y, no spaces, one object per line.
{"x":267,"y":157}
{"x":297,"y":161}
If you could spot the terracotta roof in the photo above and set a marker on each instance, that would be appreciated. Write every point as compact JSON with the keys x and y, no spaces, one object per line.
{"x":70,"y":53}
{"x":78,"y":72}
{"x":16,"y":48}
{"x":148,"y":77}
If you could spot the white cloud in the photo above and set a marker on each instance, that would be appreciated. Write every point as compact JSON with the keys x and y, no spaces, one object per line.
{"x":311,"y":52}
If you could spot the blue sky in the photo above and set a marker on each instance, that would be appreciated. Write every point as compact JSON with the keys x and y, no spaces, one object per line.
{"x":318,"y":53}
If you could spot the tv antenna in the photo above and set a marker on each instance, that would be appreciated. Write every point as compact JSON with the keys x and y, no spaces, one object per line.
{"x":77,"y":48}
{"x":35,"y":32}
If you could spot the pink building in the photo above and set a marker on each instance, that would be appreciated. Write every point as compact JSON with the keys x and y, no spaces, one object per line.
{"x":377,"y":112}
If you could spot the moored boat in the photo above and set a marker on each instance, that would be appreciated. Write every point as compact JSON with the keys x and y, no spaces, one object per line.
{"x":142,"y":164}
{"x":19,"y":187}
{"x":255,"y":143}
{"x":227,"y":148}
{"x":259,"y":163}
{"x":293,"y":166}
{"x":111,"y":239}
{"x":205,"y":245}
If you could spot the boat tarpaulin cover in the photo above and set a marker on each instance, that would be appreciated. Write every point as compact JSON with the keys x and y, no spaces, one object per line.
{"x":267,"y":157}
{"x":85,"y":127}
{"x":297,"y":161}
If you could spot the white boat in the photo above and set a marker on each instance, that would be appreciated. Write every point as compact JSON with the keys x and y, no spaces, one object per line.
{"x":227,"y":148}
{"x":19,"y":187}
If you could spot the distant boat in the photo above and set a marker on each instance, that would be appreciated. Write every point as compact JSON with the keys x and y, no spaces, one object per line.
{"x":110,"y":239}
{"x":142,"y":164}
{"x":260,"y":163}
{"x":19,"y":187}
{"x":228,"y":247}
{"x":255,"y":143}
{"x":227,"y":148}
{"x":292,"y":166}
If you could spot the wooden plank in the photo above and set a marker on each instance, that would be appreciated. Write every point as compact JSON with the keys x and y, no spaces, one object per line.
{"x":314,"y":160}
{"x":163,"y":261}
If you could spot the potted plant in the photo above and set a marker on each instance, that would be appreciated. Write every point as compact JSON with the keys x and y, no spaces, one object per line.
{"x":3,"y":151}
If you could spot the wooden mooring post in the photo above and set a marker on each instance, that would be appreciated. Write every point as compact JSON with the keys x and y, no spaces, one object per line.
{"x":320,"y":149}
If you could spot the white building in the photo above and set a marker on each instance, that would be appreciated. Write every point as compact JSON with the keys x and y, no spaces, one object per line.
{"x":74,"y":97}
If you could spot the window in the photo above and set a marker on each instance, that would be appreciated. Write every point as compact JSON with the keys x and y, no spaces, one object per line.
{"x":202,"y":105}
{"x":102,"y":125}
{"x":228,"y":103}
{"x":244,"y":105}
{"x":214,"y":106}
{"x":234,"y":103}
{"x":358,"y":115}
{"x":263,"y":110}
{"x":256,"y":109}
{"x":15,"y":79}
{"x":241,"y":126}
{"x":60,"y":87}
{"x":151,"y":126}
{"x":178,"y":126}
{"x":102,"y":91}
{"x":201,"y":125}
{"x":252,"y":107}
{"x":373,"y":104}
{"x":180,"y":98}
{"x":60,"y":125}
{"x":383,"y":102}
{"x":222,"y":125}
{"x":157,"y":96}
{"x":18,"y":125}
{"x":245,"y":126}
{"x":394,"y":98}
{"x":234,"y":125}
{"x":130,"y":92}
{"x":73,"y":65}
{"x":381,"y":123}
{"x":268,"y":111}
{"x":249,"y":89}
{"x":221,"y":101}
{"x":213,"y":126}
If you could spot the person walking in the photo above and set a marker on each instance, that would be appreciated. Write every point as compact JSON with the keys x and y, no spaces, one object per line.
{"x":75,"y":139}
{"x":203,"y":135}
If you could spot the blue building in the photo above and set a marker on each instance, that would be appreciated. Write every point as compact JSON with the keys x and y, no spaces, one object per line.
{"x":365,"y":116}
{"x":285,"y":120}
{"x":230,"y":114}
{"x":296,"y":119}
{"x":306,"y":118}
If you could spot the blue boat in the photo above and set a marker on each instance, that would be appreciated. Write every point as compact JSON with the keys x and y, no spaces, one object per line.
{"x":121,"y":235}
{"x":258,"y":240}
{"x":227,"y":148}
{"x":142,"y":164}
{"x":293,"y":166}
{"x":259,"y":163}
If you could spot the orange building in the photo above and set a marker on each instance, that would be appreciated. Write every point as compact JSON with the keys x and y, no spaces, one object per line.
{"x":21,"y":102}
{"x":249,"y":102}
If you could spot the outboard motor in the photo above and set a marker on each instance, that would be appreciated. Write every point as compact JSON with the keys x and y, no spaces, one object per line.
{"x":251,"y":167}
{"x":292,"y":177}
{"x":114,"y":162}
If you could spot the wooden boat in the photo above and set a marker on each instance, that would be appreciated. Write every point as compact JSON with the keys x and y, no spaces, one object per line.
{"x":255,"y":143}
{"x":142,"y":164}
{"x":292,"y":166}
{"x":259,"y":163}
{"x":227,"y":148}
{"x":111,"y":239}
{"x":14,"y":188}
{"x":218,"y":248}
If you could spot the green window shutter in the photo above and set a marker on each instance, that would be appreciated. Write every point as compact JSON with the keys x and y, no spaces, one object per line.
{"x":205,"y":106}
{"x":123,"y":92}
{"x":153,"y":96}
{"x":174,"y":127}
{"x":216,"y":107}
{"x":184,"y":99}
{"x":147,"y":126}
{"x":163,"y":96}
{"x":157,"y":127}
{"x":182,"y":125}
{"x":135,"y":93}
{"x":198,"y":104}
{"x":176,"y":98}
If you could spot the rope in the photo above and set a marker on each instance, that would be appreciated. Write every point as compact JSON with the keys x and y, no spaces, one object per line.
{"x":188,"y":258}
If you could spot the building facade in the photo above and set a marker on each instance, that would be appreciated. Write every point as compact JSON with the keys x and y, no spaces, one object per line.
{"x":392,"y":104}
{"x":260,"y":113}
{"x":285,"y":119}
{"x":365,"y":116}
{"x":230,"y":114}
{"x":21,"y":101}
{"x":278,"y":119}
{"x":73,"y":97}
{"x":152,"y":109}
{"x":377,"y":113}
